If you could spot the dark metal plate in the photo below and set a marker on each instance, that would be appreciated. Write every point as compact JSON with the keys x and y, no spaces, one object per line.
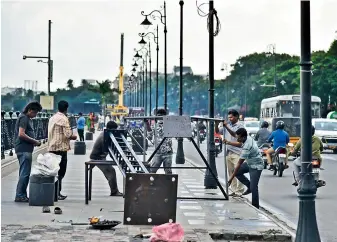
{"x":150,"y":199}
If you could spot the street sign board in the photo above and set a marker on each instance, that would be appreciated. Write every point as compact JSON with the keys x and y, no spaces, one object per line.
{"x":177,"y":126}
{"x":47,"y":102}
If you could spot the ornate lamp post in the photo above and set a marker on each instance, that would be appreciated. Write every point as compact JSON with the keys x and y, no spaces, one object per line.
{"x":180,"y":157}
{"x":147,"y":23}
{"x":145,"y":64}
{"x":209,"y":181}
{"x":307,"y":229}
{"x":272,"y":51}
{"x":156,"y":40}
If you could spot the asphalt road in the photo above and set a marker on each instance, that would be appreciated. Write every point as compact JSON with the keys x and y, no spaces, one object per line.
{"x":281,"y":197}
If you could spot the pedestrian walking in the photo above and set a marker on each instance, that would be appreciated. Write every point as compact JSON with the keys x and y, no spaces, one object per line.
{"x":80,"y":126}
{"x":250,"y":161}
{"x":59,"y":136}
{"x":24,"y":146}
{"x":98,"y":154}
{"x":233,"y":153}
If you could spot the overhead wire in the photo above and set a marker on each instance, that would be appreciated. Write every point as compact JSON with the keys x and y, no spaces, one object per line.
{"x":209,"y":15}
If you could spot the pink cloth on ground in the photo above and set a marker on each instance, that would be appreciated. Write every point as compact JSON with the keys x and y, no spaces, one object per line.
{"x":169,"y":232}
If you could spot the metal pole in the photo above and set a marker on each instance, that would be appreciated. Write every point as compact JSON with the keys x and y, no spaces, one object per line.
{"x":49,"y":61}
{"x":150,"y":80}
{"x":209,"y":181}
{"x":165,"y":58}
{"x":146,"y":87}
{"x":180,"y":157}
{"x":143,"y":84}
{"x":157,"y":49}
{"x":307,"y":230}
{"x":274,"y":52}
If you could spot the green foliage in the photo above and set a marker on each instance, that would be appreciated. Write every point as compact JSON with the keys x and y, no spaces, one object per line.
{"x":243,"y":87}
{"x":70,"y":84}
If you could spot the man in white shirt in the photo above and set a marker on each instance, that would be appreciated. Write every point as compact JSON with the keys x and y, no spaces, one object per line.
{"x":232,"y":152}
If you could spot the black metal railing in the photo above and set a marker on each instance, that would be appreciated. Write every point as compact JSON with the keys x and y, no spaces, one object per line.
{"x":40,"y":126}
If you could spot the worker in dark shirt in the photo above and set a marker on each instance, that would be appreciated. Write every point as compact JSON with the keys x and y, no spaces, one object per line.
{"x":98,"y":154}
{"x":24,"y":145}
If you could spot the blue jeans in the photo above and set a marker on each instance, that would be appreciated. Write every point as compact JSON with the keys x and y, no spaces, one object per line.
{"x":253,"y":184}
{"x":25,"y":162}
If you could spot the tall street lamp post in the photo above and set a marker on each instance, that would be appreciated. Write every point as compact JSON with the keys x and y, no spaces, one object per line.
{"x":307,"y":229}
{"x":180,"y":157}
{"x":209,"y":181}
{"x":147,"y":52}
{"x":156,"y":40}
{"x":272,"y":50}
{"x":50,"y":62}
{"x":163,"y":20}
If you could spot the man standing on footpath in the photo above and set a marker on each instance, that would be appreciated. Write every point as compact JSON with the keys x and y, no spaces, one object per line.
{"x":59,"y":136}
{"x":24,"y":146}
{"x":98,"y":154}
{"x":80,"y":126}
{"x":232,"y":152}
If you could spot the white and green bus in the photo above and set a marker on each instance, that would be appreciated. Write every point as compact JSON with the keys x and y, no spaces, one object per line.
{"x":287,"y":109}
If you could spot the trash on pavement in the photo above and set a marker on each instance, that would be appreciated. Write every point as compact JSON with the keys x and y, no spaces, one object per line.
{"x":47,"y":165}
{"x":167,"y":232}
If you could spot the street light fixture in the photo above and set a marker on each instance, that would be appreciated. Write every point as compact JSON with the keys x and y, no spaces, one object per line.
{"x":147,"y":23}
{"x":135,"y":64}
{"x":137,"y":55}
{"x":271,"y":51}
{"x":156,"y":41}
{"x":142,"y":42}
{"x":50,"y":62}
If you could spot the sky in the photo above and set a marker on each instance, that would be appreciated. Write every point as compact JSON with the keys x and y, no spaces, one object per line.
{"x":86,"y":35}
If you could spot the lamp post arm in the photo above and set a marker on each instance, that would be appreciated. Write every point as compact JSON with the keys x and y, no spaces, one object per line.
{"x":153,"y":16}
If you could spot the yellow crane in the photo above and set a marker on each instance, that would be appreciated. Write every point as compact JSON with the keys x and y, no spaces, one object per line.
{"x":120,"y":109}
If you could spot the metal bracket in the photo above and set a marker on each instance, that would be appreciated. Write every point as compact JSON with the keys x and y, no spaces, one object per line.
{"x":150,"y":199}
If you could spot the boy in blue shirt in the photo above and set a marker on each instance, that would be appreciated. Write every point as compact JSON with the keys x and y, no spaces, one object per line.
{"x":280,"y":138}
{"x":80,"y":126}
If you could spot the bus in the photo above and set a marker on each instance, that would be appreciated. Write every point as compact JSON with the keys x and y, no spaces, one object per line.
{"x":287,"y":109}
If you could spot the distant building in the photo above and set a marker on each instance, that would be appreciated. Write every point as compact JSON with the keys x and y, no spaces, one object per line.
{"x":6,"y":90}
{"x":186,"y":70}
{"x":91,"y":81}
{"x":115,"y":82}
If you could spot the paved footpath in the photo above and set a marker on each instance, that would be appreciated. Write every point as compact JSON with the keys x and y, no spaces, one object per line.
{"x":202,"y":220}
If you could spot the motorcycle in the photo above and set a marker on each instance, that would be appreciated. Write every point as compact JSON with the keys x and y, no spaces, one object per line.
{"x":217,"y":141}
{"x":316,"y":169}
{"x":202,"y":135}
{"x":278,"y":159}
{"x":194,"y":132}
{"x":263,"y":148}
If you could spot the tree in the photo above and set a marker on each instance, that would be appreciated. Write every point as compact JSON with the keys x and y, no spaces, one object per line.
{"x":84,"y":83}
{"x":30,"y":94}
{"x":104,"y":88}
{"x":333,"y":49}
{"x":70,"y":84}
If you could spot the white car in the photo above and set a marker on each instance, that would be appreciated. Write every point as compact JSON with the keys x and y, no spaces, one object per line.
{"x":252,"y":127}
{"x":326,"y":130}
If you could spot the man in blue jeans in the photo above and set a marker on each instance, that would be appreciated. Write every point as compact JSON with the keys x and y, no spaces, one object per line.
{"x":250,"y":161}
{"x":24,"y":146}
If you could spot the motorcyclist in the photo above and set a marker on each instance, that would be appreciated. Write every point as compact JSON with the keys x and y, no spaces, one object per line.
{"x":317,"y":148}
{"x":280,"y":138}
{"x":263,"y":134}
{"x":217,"y":134}
{"x":201,"y":126}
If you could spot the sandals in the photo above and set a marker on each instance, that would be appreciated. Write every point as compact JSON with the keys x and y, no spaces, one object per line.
{"x":45,"y":209}
{"x":57,"y":210}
